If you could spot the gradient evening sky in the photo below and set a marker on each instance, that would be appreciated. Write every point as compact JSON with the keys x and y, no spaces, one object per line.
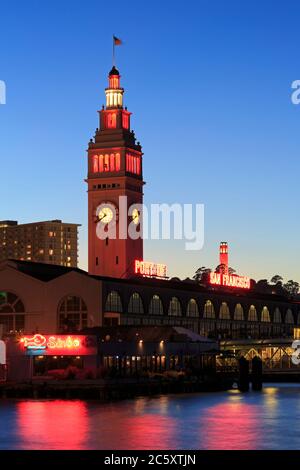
{"x":209,"y":85}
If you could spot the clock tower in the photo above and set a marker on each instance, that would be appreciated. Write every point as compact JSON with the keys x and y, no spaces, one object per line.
{"x":114,"y":174}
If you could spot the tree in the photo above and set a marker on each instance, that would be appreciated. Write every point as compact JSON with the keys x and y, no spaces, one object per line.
{"x":277,"y":279}
{"x":221,"y":268}
{"x":292,"y":287}
{"x":201,"y":273}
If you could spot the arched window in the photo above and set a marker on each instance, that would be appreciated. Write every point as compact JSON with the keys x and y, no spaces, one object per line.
{"x":135,"y":304}
{"x":174,"y":307}
{"x":113,"y":302}
{"x":95,"y":163}
{"x":224,"y":312}
{"x":12,"y":311}
{"x":277,"y":316}
{"x":192,"y":309}
{"x":72,"y":313}
{"x":156,"y":306}
{"x":252,"y":314}
{"x":112,"y":162}
{"x":289,"y":318}
{"x":209,"y":310}
{"x":238,"y":313}
{"x":265,"y":315}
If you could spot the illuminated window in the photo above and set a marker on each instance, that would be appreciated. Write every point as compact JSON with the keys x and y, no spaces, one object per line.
{"x":133,"y":164}
{"x":12,"y":311}
{"x":174,"y":307}
{"x":112,"y":162}
{"x":135,"y":304}
{"x":209,"y":310}
{"x":118,"y":162}
{"x":95,"y":164}
{"x":238,"y":313}
{"x":125,"y":121}
{"x":72,"y":314}
{"x":252,"y":314}
{"x":111,"y":120}
{"x":113,"y":302}
{"x":289,"y":318}
{"x":265,"y":315}
{"x":224,"y":312}
{"x":108,"y":162}
{"x":277,"y":316}
{"x":156,"y":306}
{"x":192,"y":309}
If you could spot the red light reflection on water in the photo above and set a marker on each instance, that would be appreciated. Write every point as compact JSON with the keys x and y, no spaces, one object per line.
{"x":150,"y":431}
{"x":52,"y":424}
{"x":231,"y":425}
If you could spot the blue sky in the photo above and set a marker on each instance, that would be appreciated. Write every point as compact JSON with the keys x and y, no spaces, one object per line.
{"x":209,"y":85}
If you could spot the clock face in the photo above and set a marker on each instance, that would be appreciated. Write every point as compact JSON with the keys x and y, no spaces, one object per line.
{"x":135,"y":216}
{"x":105,"y":213}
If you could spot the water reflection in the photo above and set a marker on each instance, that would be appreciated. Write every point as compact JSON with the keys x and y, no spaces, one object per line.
{"x":52,"y":424}
{"x":232,"y":425}
{"x":229,"y":420}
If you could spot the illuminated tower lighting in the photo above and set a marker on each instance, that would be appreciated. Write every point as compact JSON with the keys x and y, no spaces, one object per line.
{"x":224,"y":255}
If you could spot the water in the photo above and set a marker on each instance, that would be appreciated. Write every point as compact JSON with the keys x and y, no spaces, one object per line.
{"x":225,"y":420}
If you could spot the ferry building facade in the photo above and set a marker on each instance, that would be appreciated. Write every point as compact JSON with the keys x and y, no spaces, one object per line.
{"x":37,"y":297}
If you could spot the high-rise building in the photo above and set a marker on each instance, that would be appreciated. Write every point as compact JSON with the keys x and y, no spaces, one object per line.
{"x":114,"y":172}
{"x":52,"y":242}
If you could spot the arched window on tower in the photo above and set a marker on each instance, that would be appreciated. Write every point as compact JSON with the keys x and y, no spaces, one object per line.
{"x":72,"y":314}
{"x":113,"y":302}
{"x":238,"y":313}
{"x":156,"y":306}
{"x":106,"y":162}
{"x":135,"y":304}
{"x":174,"y":307}
{"x":224,"y":312}
{"x":265,"y":315}
{"x":95,"y":163}
{"x":118,"y":162}
{"x":12,"y":311}
{"x":192,"y":309}
{"x":111,"y":121}
{"x":209,"y":310}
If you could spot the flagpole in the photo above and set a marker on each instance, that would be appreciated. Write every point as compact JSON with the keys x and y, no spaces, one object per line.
{"x":113,"y":57}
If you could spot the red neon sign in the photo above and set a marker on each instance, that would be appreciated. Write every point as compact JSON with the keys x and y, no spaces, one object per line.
{"x":149,"y":269}
{"x":229,"y":280}
{"x":64,"y":344}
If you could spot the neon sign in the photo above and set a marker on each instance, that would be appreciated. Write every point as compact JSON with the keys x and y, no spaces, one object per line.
{"x":40,"y":342}
{"x":149,"y":269}
{"x":229,"y":280}
{"x":36,"y":342}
